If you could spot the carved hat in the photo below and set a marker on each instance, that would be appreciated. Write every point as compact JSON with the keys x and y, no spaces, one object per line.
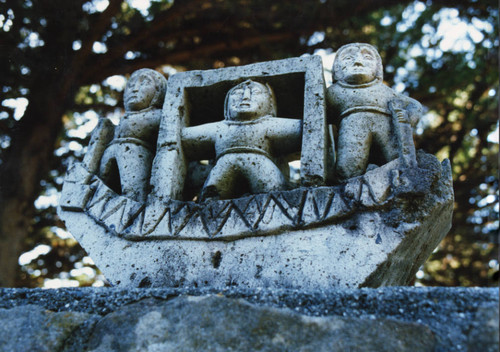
{"x":160,"y":82}
{"x":272,"y":107}
{"x":379,"y":74}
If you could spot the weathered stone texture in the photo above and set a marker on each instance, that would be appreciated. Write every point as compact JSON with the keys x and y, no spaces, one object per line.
{"x":32,"y":328}
{"x":484,"y":332}
{"x":384,"y":319}
{"x":214,"y":323}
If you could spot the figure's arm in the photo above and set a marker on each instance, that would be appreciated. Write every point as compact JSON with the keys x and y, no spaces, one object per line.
{"x":101,"y":136}
{"x":285,"y":134}
{"x":402,"y":117}
{"x":332,"y":105}
{"x":198,"y":141}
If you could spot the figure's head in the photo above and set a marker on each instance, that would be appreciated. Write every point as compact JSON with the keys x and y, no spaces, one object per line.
{"x":357,"y":63}
{"x":145,"y":88}
{"x":249,"y":101}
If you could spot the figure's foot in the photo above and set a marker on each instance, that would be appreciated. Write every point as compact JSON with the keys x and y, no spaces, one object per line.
{"x":209,"y":193}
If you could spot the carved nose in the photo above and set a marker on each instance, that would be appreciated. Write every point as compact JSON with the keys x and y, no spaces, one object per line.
{"x":246,"y":94}
{"x":359,"y":60}
{"x":358,"y":63}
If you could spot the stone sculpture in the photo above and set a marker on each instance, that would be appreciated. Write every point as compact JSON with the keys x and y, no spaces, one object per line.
{"x":128,"y":158}
{"x":249,"y":228}
{"x":369,"y":112}
{"x":244,"y":142}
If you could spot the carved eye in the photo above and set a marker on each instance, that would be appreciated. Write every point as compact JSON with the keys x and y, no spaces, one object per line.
{"x":144,"y":81}
{"x":367,"y":54}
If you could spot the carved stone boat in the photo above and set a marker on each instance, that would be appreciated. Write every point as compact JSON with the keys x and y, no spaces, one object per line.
{"x":374,"y":230}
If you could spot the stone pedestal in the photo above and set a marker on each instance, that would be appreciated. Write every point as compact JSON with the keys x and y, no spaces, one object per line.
{"x":384,"y":319}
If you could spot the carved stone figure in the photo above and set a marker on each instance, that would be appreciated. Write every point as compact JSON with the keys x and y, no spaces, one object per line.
{"x":196,"y":98}
{"x":245,"y":142}
{"x":132,"y":149}
{"x":370,"y":113}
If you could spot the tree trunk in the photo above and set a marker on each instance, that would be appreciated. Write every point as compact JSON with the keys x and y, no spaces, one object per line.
{"x":14,"y":228}
{"x":34,"y":137}
{"x":27,"y":162}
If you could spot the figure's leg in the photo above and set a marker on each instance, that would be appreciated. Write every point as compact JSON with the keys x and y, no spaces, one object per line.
{"x":354,"y":145}
{"x":263,"y":174}
{"x":134,"y":164}
{"x":384,"y":136}
{"x":108,"y":167}
{"x":221,"y":180}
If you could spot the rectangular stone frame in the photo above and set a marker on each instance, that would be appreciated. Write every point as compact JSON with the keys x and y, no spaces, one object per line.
{"x":169,"y":167}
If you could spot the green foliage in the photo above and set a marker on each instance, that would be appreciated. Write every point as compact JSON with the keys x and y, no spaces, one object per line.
{"x":83,"y":45}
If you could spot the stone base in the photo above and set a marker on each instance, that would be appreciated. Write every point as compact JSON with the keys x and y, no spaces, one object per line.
{"x":384,"y":319}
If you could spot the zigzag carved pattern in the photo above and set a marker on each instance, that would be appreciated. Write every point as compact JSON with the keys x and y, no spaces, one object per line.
{"x":235,"y":218}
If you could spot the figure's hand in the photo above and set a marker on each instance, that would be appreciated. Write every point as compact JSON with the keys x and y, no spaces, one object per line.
{"x":402,"y":116}
{"x":397,"y":110}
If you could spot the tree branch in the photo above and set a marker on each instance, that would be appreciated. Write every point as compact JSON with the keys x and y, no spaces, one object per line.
{"x":80,"y":56}
{"x":181,"y":57}
{"x":96,"y":107}
{"x":132,"y":41}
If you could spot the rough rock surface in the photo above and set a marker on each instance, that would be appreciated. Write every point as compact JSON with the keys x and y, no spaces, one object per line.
{"x":483,"y":335}
{"x":32,"y":328}
{"x":391,"y":318}
{"x":213,"y":323}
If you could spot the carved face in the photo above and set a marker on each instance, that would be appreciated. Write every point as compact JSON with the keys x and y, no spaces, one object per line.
{"x":357,"y":65}
{"x":139,"y":93}
{"x":248,"y":101}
